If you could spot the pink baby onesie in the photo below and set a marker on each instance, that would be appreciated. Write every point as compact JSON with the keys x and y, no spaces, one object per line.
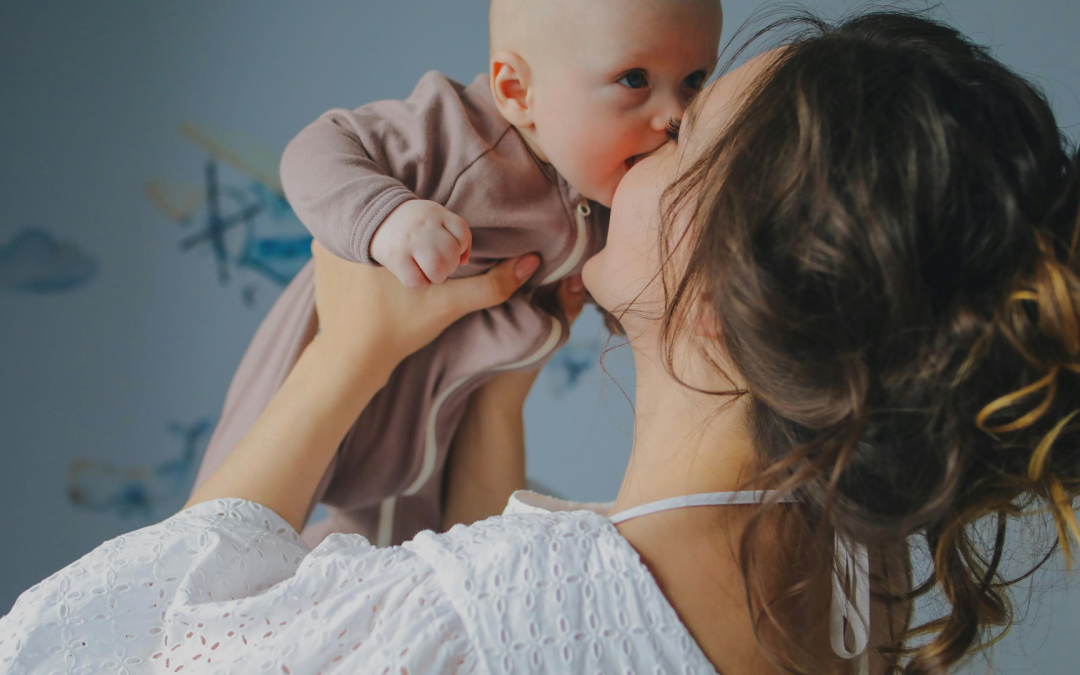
{"x":343,"y":174}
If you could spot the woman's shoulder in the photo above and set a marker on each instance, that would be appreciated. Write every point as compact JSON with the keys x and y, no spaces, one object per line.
{"x":552,"y":586}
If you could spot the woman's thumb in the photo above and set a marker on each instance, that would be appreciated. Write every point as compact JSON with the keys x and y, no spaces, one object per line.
{"x":493,"y":287}
{"x":572,"y":296}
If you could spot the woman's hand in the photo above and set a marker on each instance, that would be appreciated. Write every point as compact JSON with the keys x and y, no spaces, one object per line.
{"x":366,"y":310}
{"x":369,"y":322}
{"x":509,"y":390}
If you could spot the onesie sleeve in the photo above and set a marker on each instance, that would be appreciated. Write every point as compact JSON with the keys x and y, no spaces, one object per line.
{"x":345,"y":172}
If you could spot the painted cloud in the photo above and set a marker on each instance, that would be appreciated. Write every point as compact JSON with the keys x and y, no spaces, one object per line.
{"x":35,"y":261}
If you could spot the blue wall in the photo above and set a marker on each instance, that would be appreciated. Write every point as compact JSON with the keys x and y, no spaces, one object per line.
{"x":116,"y":347}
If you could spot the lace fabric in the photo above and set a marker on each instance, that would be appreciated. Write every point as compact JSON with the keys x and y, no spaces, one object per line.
{"x":229,"y":587}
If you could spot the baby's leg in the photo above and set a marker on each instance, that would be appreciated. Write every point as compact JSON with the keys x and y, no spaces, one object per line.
{"x":287,"y":329}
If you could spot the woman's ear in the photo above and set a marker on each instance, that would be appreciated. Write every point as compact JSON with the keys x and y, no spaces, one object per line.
{"x":511,"y":80}
{"x":705,"y":323}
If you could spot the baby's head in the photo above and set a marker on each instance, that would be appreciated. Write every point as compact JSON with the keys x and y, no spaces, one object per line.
{"x":591,"y":84}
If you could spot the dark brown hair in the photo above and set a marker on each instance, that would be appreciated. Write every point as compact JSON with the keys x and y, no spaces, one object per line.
{"x":887,"y":231}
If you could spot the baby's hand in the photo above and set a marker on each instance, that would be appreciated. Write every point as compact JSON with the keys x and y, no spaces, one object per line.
{"x":421,"y":243}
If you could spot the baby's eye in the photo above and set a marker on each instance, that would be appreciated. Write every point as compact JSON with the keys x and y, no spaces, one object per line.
{"x":696,"y":80}
{"x":635,"y":79}
{"x":672,"y":129}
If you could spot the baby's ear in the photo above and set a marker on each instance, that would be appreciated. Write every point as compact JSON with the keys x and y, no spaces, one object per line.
{"x":510,"y":83}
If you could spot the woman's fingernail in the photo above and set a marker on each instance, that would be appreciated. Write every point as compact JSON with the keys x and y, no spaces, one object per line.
{"x":526,"y":265}
{"x":575,"y":284}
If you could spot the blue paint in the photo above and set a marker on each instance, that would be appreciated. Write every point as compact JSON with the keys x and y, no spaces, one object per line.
{"x":35,"y":261}
{"x":145,"y":492}
{"x":234,"y":229}
{"x":571,"y":362}
{"x":276,"y":205}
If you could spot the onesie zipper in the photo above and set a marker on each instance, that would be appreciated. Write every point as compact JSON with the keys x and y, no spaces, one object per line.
{"x":427,"y":468}
{"x":583,"y":212}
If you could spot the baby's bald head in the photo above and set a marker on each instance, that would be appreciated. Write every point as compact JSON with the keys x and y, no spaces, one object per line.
{"x":515,"y":24}
{"x":521,"y":26}
{"x":592,"y":84}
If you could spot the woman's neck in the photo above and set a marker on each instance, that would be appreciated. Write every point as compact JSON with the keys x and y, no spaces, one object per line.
{"x":684,"y":442}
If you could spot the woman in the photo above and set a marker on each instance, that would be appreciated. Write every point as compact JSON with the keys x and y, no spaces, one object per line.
{"x":858,"y":301}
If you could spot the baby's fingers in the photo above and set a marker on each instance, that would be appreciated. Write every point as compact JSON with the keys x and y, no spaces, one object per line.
{"x":439,"y":257}
{"x":459,"y":229}
{"x":409,"y":274}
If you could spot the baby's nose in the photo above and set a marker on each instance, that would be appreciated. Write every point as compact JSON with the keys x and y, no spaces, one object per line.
{"x":665,"y":113}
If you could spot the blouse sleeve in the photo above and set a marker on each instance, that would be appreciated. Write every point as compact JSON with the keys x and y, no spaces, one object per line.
{"x":105,"y":610}
{"x":228,"y":586}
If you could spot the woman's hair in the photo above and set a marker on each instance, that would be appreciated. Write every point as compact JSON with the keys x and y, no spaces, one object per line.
{"x":886,"y":232}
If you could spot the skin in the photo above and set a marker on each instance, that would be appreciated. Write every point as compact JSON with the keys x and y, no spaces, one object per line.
{"x":682,"y":444}
{"x":588,"y":95}
{"x":280,"y":460}
{"x":487,"y":456}
{"x":592,"y":93}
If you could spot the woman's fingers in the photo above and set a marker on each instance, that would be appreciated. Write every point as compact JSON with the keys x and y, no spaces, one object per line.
{"x":572,"y":296}
{"x":495,"y":287}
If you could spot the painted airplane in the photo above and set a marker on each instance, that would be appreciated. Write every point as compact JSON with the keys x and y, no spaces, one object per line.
{"x":138,"y":491}
{"x":233,"y":219}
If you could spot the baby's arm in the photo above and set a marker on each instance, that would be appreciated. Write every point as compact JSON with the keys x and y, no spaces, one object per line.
{"x":350,"y":170}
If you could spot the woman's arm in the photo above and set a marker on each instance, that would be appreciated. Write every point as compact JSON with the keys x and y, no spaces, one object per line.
{"x":368,"y":323}
{"x":282,"y":458}
{"x":487,"y":456}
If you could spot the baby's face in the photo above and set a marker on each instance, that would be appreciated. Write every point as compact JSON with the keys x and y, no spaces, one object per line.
{"x":604,"y":92}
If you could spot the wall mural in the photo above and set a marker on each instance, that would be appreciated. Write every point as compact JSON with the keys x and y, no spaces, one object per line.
{"x":252,"y":234}
{"x":35,"y":261}
{"x":147,"y":493}
{"x":253,"y":228}
{"x":577,"y":357}
{"x":249,"y":230}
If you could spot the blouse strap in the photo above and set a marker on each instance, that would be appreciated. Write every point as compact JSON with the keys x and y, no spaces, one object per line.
{"x":702,"y":499}
{"x":853,"y":570}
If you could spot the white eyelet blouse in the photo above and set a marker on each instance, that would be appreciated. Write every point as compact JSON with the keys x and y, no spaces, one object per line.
{"x":227,"y":586}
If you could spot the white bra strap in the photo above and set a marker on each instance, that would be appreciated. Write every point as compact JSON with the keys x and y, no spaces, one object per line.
{"x":703,"y":499}
{"x":853,"y":559}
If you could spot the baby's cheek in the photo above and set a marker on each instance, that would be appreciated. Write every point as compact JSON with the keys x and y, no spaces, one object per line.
{"x":606,"y":163}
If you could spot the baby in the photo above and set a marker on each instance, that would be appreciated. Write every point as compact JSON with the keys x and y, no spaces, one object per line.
{"x":449,"y":182}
